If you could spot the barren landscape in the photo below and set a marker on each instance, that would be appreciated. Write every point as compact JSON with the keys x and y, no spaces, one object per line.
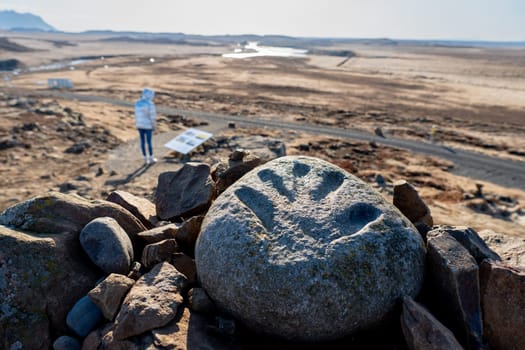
{"x":472,"y":97}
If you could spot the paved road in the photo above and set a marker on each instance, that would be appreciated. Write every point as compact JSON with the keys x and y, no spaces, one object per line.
{"x":504,"y":172}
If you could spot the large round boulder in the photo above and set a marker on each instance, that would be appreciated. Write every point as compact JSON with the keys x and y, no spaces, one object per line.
{"x":298,"y":248}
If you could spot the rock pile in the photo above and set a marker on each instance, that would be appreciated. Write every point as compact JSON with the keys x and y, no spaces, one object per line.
{"x":294,"y":250}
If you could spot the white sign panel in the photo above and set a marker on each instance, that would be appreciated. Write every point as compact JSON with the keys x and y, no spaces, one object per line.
{"x":188,"y":140}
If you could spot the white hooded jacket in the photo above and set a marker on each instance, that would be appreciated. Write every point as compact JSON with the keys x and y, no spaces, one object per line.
{"x":145,"y":112}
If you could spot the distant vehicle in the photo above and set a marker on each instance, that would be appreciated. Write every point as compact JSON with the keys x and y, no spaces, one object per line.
{"x":59,"y":84}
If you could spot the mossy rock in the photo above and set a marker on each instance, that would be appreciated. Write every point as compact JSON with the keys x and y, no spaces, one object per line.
{"x":41,"y":277}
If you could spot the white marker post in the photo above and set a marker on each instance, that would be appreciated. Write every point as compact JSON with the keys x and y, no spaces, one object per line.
{"x":188,"y":140}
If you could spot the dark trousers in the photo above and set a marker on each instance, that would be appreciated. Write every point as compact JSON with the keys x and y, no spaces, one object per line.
{"x":145,"y":136}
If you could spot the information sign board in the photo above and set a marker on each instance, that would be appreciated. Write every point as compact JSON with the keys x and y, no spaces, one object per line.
{"x":188,"y":140}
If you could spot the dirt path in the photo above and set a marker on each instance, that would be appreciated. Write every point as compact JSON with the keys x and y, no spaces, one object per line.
{"x":503,"y":172}
{"x":127,"y":158}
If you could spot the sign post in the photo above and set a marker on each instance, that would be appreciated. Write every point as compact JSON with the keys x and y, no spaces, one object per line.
{"x":188,"y":140}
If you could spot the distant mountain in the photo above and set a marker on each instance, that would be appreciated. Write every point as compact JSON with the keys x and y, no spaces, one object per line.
{"x":11,"y":20}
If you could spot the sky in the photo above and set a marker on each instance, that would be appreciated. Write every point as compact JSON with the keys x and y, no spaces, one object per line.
{"x":492,"y":20}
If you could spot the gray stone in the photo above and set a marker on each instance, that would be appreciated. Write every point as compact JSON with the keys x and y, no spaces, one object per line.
{"x":135,"y":272}
{"x":109,"y":293}
{"x":158,"y":234}
{"x":469,"y":239}
{"x":310,"y":252}
{"x":92,"y":341}
{"x":56,"y":212}
{"x":185,"y":192}
{"x":238,"y":154}
{"x":380,"y":180}
{"x":151,"y":303}
{"x":187,"y":234}
{"x":379,"y":132}
{"x":423,"y":331}
{"x":66,"y":343}
{"x":158,"y":252}
{"x":107,"y":245}
{"x":185,"y":265}
{"x":503,"y":303}
{"x":41,"y":278}
{"x":408,"y":201}
{"x":142,"y":208}
{"x":226,"y":173}
{"x":199,"y":301}
{"x":102,"y":338}
{"x":454,"y":284}
{"x":84,"y":316}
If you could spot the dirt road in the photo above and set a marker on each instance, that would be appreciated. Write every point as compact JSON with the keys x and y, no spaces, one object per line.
{"x":503,"y":172}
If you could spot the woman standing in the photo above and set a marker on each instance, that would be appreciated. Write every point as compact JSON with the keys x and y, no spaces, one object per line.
{"x":145,"y":120}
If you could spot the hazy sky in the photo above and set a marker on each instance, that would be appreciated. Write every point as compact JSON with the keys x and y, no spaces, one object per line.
{"x":502,"y":20}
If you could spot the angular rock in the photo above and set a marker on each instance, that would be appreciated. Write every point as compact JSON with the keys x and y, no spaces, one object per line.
{"x":135,"y":271}
{"x":84,"y":316}
{"x":107,"y":245}
{"x":66,"y":343}
{"x":191,"y":331}
{"x":142,"y":208}
{"x":92,"y":341}
{"x":454,"y":285}
{"x":109,"y":293}
{"x":311,"y":252}
{"x":469,"y":239}
{"x":503,"y":303}
{"x":379,"y":132}
{"x":81,"y":188}
{"x":424,"y":331}
{"x":226,"y":173}
{"x":151,"y":303}
{"x":41,"y":278}
{"x":422,"y":228}
{"x":187,"y":234}
{"x":238,"y":154}
{"x":199,"y":301}
{"x":57,"y":212}
{"x":185,"y":192}
{"x":102,"y":338}
{"x":185,"y":265}
{"x":158,"y":234}
{"x":380,"y":180}
{"x":110,"y":342}
{"x":408,"y":201}
{"x":158,"y":252}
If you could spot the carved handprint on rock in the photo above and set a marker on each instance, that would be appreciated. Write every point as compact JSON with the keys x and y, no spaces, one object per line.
{"x":303,"y":204}
{"x":301,"y":249}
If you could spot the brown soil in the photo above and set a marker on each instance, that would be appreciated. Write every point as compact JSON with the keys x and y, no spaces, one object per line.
{"x":473,"y":97}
